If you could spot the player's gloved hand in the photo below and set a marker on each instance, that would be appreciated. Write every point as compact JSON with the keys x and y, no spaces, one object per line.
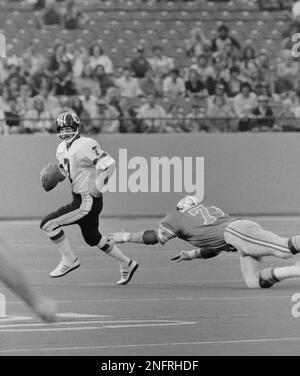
{"x":120,"y":237}
{"x":184,"y":256}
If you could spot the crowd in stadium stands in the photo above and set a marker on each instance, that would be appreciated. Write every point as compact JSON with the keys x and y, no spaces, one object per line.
{"x":225,"y":86}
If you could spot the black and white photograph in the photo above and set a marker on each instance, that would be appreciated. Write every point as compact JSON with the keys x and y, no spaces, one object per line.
{"x":150,"y":181}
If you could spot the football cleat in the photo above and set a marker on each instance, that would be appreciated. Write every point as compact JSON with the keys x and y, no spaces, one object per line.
{"x":127,"y":274}
{"x":68,"y":126}
{"x":63,"y":269}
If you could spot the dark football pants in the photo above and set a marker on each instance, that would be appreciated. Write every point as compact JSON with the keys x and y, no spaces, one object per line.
{"x":83,"y":211}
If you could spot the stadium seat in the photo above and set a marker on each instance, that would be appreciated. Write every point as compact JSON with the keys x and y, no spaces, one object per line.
{"x":169,"y":21}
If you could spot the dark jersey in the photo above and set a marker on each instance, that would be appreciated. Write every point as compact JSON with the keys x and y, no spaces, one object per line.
{"x":203,"y":226}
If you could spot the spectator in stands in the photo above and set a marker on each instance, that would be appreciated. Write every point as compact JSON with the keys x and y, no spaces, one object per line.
{"x":292,"y":101}
{"x":107,"y":119}
{"x":175,"y":119}
{"x":128,"y":117}
{"x":11,"y":57}
{"x":289,"y":100}
{"x":220,"y":91}
{"x":63,"y":81}
{"x":113,"y":99}
{"x":104,"y":80}
{"x":195,"y":120}
{"x":46,"y":93}
{"x":263,"y":116}
{"x":204,"y":68}
{"x":230,"y":53}
{"x":81,"y":61}
{"x":265,"y":70}
{"x":243,"y":105}
{"x":38,"y":4}
{"x":248,"y":65}
{"x":50,"y":15}
{"x":285,"y":111}
{"x":197,"y":44}
{"x":63,"y":106}
{"x":5,"y":99}
{"x":97,"y":57}
{"x":77,"y":106}
{"x":150,"y":84}
{"x":221,"y":75}
{"x":14,"y":88}
{"x":16,"y":74}
{"x":235,"y":81}
{"x":194,"y":85}
{"x":202,"y":99}
{"x":173,"y":85}
{"x":220,"y":115}
{"x":38,"y":119}
{"x":12,"y":117}
{"x":223,"y":39}
{"x":140,"y":65}
{"x":264,"y":88}
{"x":129,"y":86}
{"x":89,"y":102}
{"x":33,"y":60}
{"x":70,"y":53}
{"x":287,"y":74}
{"x":25,"y":100}
{"x":59,"y":56}
{"x":153,"y":116}
{"x":72,"y":17}
{"x":88,"y":79}
{"x":160,"y":63}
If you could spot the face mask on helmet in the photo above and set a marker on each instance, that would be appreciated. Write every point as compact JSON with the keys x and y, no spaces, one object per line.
{"x":68,"y":126}
{"x":187,"y":203}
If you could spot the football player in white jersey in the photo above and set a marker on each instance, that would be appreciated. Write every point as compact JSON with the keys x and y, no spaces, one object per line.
{"x":88,"y":169}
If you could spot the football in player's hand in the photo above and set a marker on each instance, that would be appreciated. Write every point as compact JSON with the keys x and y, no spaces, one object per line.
{"x":51,"y":176}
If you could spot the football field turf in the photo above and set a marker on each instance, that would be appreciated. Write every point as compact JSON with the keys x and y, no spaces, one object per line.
{"x":191,"y":308}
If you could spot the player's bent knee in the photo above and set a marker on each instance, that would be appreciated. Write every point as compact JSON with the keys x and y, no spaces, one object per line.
{"x":92,"y":238}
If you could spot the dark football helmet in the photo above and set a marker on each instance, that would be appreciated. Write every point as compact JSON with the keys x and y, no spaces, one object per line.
{"x":68,"y":126}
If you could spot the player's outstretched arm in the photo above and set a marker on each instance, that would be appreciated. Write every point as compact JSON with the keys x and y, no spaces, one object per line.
{"x":199,"y":253}
{"x":148,"y":237}
{"x":187,"y":255}
{"x":14,"y":278}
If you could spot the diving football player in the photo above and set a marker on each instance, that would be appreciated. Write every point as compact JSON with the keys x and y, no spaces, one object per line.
{"x":212,"y":231}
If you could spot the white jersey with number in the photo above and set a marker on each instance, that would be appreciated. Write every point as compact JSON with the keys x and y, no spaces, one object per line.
{"x":78,"y":162}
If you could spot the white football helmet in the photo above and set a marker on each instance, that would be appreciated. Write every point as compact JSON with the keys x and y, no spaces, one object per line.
{"x":187,"y":203}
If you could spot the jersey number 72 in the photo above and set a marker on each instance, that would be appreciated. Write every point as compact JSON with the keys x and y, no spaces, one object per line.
{"x":209,"y":214}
